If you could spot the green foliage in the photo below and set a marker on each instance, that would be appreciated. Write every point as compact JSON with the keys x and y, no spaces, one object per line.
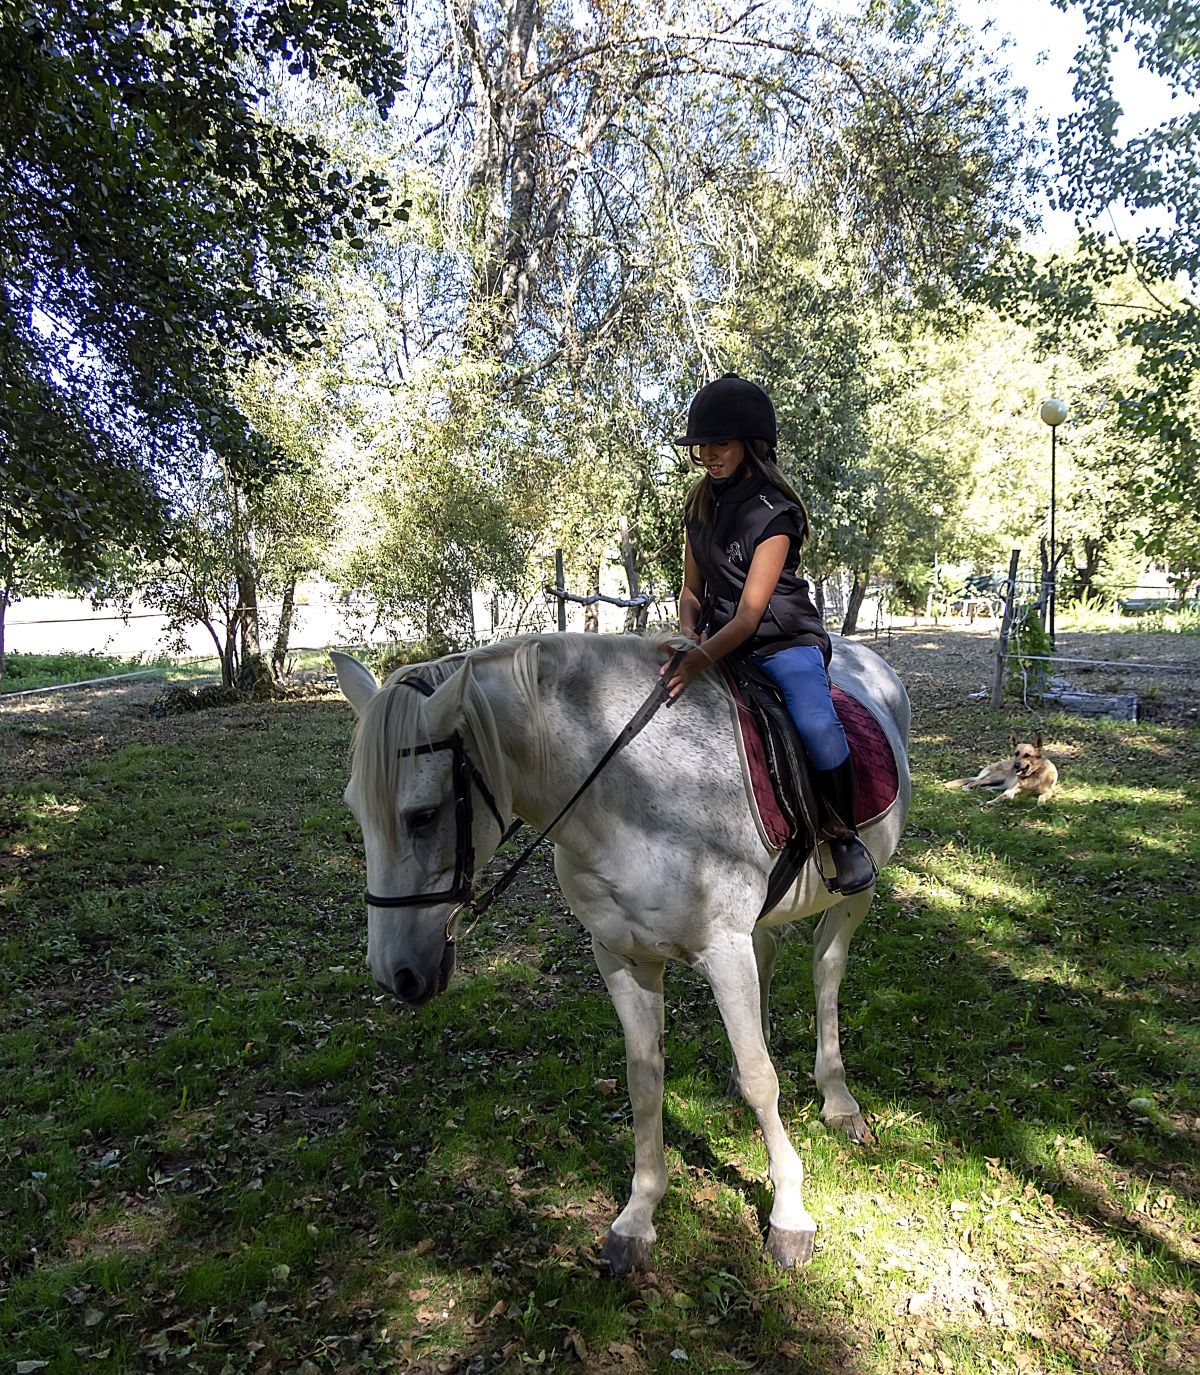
{"x":1111,"y":171}
{"x":153,"y":227}
{"x":910,"y":587}
{"x":384,"y":660}
{"x":1026,"y":671}
{"x":179,"y":700}
{"x":643,"y":246}
{"x":46,"y":670}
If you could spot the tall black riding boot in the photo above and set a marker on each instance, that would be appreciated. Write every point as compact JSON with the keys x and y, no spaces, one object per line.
{"x":855,"y":867}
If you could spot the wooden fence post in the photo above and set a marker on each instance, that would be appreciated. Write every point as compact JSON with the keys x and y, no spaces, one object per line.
{"x":1005,"y":626}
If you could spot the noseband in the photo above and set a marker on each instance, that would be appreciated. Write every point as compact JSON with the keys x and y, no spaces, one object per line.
{"x":463,"y":773}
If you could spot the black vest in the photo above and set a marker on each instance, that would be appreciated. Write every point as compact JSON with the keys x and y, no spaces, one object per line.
{"x":723,"y":549}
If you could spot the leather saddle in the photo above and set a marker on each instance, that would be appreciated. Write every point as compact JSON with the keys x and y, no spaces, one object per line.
{"x":789,"y":770}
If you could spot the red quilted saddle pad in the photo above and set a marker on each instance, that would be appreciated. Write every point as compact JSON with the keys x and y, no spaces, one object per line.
{"x":875,"y":772}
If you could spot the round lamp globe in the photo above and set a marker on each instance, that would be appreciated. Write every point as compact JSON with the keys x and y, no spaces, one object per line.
{"x":1054,"y":411}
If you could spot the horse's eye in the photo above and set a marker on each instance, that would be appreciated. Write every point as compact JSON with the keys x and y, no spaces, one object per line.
{"x":422,"y":819}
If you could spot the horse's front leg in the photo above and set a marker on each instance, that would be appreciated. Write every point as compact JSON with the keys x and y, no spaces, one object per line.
{"x":732,"y":972}
{"x":831,"y":941}
{"x":768,"y":940}
{"x":637,"y":994}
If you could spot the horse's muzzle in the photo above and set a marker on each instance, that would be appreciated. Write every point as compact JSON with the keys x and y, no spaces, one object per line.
{"x":415,"y":987}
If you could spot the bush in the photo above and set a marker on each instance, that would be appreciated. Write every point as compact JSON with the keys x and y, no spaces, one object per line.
{"x":1029,"y":642}
{"x":909,"y":589}
{"x":178,"y":700}
{"x":22,"y":671}
{"x":384,"y":660}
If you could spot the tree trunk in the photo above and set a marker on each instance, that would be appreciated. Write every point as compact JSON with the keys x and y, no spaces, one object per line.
{"x":283,"y":633}
{"x":224,"y":656}
{"x":1085,"y":577}
{"x":4,"y":602}
{"x":591,"y":614}
{"x":858,"y":591}
{"x":1043,"y":601}
{"x":635,"y":616}
{"x":247,"y":585}
{"x":229,"y":653}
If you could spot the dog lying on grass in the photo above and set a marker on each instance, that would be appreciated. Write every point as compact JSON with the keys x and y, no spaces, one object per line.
{"x":1027,"y":774}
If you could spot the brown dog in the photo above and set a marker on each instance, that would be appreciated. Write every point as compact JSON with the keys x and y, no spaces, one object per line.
{"x":1027,"y":774}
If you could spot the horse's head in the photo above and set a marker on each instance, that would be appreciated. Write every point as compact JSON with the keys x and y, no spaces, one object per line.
{"x":407,"y":792}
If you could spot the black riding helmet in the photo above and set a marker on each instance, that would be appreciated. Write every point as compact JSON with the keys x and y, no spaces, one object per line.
{"x":730,"y":408}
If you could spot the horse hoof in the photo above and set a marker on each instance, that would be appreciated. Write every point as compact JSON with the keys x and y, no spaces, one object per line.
{"x":789,"y":1249}
{"x":852,"y":1126}
{"x":625,"y":1254}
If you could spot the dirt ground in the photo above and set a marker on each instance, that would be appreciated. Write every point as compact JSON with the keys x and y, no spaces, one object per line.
{"x":941,"y":665}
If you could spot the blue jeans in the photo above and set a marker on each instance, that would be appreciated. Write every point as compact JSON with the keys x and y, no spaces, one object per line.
{"x":799,"y":673}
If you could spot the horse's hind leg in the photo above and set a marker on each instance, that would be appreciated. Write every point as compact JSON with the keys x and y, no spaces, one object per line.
{"x":768,"y":941}
{"x":732,"y":972}
{"x":637,"y":994}
{"x":831,"y":940}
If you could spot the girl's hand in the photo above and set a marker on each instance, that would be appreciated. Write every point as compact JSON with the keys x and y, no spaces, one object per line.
{"x":693,"y":662}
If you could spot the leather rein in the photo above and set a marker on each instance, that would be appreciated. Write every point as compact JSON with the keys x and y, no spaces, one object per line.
{"x":464,"y":773}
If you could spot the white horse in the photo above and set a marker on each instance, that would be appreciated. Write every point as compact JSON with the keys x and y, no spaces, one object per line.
{"x":659,"y":860}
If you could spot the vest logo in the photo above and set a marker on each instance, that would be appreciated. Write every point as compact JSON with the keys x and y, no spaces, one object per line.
{"x":765,"y":502}
{"x":733,"y":551}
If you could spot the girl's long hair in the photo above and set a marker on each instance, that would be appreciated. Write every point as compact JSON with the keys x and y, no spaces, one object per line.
{"x":698,"y":506}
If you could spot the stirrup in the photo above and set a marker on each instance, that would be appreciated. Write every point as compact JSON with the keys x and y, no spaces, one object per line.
{"x":856,"y":870}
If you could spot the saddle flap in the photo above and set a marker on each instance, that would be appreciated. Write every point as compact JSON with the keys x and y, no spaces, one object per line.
{"x":787,"y":759}
{"x":775,"y":766}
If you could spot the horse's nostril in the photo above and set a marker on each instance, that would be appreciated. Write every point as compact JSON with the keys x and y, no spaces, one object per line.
{"x":407,"y":986}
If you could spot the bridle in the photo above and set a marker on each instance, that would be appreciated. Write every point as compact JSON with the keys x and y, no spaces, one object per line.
{"x":464,"y":773}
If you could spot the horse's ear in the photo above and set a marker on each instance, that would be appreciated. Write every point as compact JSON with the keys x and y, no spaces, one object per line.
{"x":355,"y":679}
{"x":444,"y":710}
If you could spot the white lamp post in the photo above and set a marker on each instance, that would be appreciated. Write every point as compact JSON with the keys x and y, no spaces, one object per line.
{"x":1053,"y":412}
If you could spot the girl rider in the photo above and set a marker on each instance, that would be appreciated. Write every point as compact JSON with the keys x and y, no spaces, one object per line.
{"x":742,"y":592}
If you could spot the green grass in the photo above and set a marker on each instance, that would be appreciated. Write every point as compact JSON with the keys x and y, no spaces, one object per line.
{"x":25,"y":671}
{"x":221,"y":1147}
{"x":1094,"y":616}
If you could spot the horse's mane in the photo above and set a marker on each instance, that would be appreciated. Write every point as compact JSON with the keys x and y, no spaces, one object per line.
{"x":394,"y":720}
